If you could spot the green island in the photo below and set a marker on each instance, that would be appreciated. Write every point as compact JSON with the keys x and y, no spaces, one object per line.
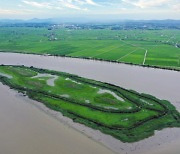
{"x":150,"y":48}
{"x":124,"y":114}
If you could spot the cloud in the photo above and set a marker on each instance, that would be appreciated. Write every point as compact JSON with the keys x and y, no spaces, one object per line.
{"x":176,"y":7}
{"x":72,"y":4}
{"x":83,"y":2}
{"x":6,"y":11}
{"x":59,"y":4}
{"x":91,"y":2}
{"x":12,"y":12}
{"x":42,"y":5}
{"x":77,"y":4}
{"x":38,"y":4}
{"x":150,"y":3}
{"x":147,"y":3}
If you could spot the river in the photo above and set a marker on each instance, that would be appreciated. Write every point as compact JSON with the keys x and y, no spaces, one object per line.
{"x":164,"y":84}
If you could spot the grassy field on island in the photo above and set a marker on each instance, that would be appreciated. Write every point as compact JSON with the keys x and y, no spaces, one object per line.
{"x":124,"y":114}
{"x":144,"y":47}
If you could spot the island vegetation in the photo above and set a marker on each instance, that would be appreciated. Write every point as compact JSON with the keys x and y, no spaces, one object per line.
{"x":124,"y":114}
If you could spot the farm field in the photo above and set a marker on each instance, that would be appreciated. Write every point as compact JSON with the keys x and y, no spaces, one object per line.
{"x":124,"y":114}
{"x":144,"y":47}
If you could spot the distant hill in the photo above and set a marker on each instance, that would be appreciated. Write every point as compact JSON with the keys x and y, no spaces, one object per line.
{"x":83,"y":22}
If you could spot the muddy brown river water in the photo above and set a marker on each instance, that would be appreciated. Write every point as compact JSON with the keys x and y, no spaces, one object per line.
{"x":26,"y":129}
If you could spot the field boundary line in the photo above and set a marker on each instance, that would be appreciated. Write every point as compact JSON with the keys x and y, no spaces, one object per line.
{"x":127,"y":54}
{"x":108,"y":50}
{"x":170,"y":38}
{"x":145,"y":55}
{"x":91,"y":48}
{"x":83,"y":50}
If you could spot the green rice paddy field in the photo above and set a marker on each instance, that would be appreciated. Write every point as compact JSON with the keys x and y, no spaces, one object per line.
{"x":144,"y":47}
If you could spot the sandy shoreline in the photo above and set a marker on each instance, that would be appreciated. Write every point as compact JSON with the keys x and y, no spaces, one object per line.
{"x":162,"y":141}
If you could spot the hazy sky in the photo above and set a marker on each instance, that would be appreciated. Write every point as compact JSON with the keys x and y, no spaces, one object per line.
{"x":122,"y":9}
